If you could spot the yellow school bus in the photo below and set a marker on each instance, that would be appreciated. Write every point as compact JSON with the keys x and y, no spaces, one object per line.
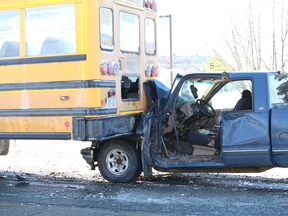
{"x":73,"y":69}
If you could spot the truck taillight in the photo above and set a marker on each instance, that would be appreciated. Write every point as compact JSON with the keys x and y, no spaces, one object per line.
{"x":103,"y":68}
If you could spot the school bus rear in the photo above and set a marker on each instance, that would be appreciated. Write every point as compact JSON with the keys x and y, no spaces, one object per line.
{"x":73,"y":69}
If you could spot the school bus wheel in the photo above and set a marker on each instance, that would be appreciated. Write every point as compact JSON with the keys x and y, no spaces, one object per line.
{"x":119,"y":161}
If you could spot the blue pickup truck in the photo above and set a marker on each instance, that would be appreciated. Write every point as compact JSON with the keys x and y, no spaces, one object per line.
{"x":207,"y":122}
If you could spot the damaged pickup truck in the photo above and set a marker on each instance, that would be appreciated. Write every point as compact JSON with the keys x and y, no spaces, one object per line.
{"x":207,"y":122}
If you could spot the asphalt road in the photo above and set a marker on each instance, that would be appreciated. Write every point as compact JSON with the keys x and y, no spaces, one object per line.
{"x":60,"y":183}
{"x":161,"y":195}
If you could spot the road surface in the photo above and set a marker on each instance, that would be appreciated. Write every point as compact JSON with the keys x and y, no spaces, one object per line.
{"x":58,"y":182}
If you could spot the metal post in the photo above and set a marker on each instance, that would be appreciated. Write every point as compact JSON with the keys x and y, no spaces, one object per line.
{"x":171,"y":53}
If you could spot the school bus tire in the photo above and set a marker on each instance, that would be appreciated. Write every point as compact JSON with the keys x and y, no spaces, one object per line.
{"x":119,"y":161}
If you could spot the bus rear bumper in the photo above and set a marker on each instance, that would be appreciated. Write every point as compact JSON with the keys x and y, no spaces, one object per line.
{"x":104,"y":128}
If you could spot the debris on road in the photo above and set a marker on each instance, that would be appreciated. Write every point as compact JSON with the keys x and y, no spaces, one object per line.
{"x":20,"y":178}
{"x":22,"y":184}
{"x":56,"y":167}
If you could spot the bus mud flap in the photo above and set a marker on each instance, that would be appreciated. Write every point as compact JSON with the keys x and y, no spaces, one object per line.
{"x":79,"y":128}
{"x":4,"y":147}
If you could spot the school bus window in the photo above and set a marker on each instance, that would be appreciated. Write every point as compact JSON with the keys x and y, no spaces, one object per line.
{"x":50,"y":30}
{"x":9,"y":34}
{"x":150,"y":44}
{"x":106,"y":29}
{"x":130,"y":89}
{"x":129,"y":32}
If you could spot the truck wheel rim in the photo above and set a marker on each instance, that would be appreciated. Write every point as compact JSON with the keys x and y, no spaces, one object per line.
{"x":117,"y":162}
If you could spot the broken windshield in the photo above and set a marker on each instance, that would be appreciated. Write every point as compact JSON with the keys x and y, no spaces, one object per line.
{"x":192,"y":90}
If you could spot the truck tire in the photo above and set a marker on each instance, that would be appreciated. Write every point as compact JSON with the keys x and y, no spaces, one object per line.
{"x":119,"y":161}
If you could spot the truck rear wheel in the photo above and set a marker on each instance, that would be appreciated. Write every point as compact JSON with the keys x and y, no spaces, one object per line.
{"x":119,"y":161}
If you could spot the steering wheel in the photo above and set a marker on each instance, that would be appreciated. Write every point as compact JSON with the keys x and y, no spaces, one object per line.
{"x":205,"y":108}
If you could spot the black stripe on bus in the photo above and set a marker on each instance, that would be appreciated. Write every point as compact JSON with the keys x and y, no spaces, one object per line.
{"x":56,"y":112}
{"x":42,"y":136}
{"x":58,"y":85}
{"x":46,"y":59}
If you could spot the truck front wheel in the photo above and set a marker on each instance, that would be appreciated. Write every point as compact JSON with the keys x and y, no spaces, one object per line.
{"x":119,"y":161}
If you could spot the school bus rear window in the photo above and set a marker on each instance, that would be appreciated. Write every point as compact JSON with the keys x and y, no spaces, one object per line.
{"x":129,"y":32}
{"x":130,"y":89}
{"x":50,"y":30}
{"x":9,"y":34}
{"x":106,"y":29}
{"x":150,"y":39}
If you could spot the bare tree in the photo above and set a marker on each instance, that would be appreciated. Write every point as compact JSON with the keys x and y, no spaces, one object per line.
{"x":284,"y":32}
{"x":182,"y":64}
{"x":245,"y":41}
{"x":274,"y":58}
{"x":164,"y":61}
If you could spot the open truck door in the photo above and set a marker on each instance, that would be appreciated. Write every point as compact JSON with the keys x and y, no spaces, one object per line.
{"x":157,"y":94}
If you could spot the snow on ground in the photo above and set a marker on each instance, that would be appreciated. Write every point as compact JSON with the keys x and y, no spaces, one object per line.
{"x":60,"y":159}
{"x":47,"y":158}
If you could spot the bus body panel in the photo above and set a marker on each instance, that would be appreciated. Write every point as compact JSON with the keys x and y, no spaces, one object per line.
{"x":42,"y":91}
